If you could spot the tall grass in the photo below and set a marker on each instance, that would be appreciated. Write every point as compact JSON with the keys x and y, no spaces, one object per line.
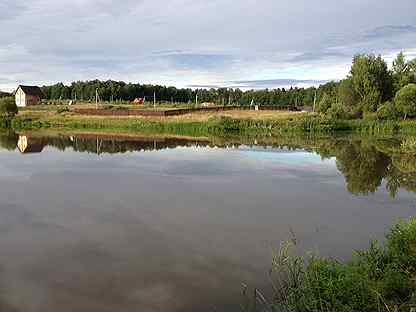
{"x":218,"y":125}
{"x":381,"y":278}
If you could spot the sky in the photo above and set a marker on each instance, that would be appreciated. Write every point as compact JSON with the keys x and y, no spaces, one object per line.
{"x":198,"y":43}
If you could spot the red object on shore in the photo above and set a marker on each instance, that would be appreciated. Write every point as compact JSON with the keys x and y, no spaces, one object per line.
{"x":138,"y":101}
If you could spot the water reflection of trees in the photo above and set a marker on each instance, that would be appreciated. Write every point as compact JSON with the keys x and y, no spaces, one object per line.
{"x":364,"y":162}
{"x":8,"y":140}
{"x":363,"y":166}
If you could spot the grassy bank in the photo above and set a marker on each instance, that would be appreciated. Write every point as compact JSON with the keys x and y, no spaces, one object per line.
{"x":205,"y":124}
{"x":381,"y":278}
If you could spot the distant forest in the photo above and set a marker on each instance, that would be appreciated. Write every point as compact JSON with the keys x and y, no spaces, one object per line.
{"x":4,"y":94}
{"x":121,"y":91}
{"x":370,"y":87}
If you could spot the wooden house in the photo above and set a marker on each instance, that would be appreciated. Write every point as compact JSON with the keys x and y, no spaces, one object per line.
{"x":28,"y":96}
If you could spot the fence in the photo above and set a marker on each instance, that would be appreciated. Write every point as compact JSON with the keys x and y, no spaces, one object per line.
{"x":172,"y":112}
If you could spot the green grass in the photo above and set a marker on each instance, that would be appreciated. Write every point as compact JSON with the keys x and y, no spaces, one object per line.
{"x":215,"y":124}
{"x":381,"y":278}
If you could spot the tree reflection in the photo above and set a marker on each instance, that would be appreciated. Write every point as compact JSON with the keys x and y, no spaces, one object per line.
{"x":8,"y":140}
{"x":363,"y":166}
{"x":364,"y":162}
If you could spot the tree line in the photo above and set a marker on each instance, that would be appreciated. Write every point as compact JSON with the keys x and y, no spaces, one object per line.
{"x":4,"y":94}
{"x":370,"y":88}
{"x":113,"y":91}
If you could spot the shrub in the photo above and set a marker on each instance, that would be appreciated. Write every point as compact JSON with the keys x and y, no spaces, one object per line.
{"x":369,"y":116}
{"x":387,"y":111}
{"x":8,"y":106}
{"x":61,"y":110}
{"x":405,"y":101}
{"x":378,"y":279}
{"x":324,"y":104}
{"x":401,"y":245}
{"x":337,"y":111}
{"x":409,"y":145}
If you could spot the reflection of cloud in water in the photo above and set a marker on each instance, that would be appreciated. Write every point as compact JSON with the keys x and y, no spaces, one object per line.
{"x":246,"y":162}
{"x":120,"y":263}
{"x":174,"y":229}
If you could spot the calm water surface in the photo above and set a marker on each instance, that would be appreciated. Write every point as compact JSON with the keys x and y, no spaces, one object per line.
{"x":131,"y":224}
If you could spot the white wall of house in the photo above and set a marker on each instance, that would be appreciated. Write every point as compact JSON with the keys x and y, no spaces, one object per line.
{"x":20,"y":98}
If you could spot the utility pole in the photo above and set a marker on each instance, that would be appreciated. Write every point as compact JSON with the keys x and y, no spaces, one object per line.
{"x":154,"y":99}
{"x":196,"y":99}
{"x":96,"y":98}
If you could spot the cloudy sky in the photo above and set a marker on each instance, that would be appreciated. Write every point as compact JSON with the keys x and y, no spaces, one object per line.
{"x":244,"y":43}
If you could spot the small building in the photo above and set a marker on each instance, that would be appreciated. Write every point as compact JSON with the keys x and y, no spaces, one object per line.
{"x":28,"y":96}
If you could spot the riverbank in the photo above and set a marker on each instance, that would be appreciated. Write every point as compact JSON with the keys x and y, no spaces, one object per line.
{"x":381,"y":278}
{"x":209,"y":123}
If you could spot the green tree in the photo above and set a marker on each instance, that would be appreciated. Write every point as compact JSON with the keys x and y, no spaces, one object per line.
{"x":346,"y":94}
{"x":337,"y":111}
{"x":371,"y":81}
{"x":325,"y":103}
{"x":405,"y":101}
{"x":387,"y":111}
{"x":402,"y":72}
{"x":8,"y":106}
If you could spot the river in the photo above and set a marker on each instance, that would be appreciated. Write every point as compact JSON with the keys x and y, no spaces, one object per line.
{"x":123,"y":223}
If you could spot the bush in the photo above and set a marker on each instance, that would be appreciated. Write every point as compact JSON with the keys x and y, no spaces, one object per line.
{"x":8,"y":106}
{"x":337,"y":111}
{"x":324,"y":104}
{"x":387,"y":111}
{"x":369,"y":116}
{"x":61,"y":110}
{"x":378,"y":279}
{"x":405,"y":101}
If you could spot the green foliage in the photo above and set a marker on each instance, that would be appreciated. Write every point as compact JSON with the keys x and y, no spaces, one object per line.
{"x":405,"y":101}
{"x":118,"y":92}
{"x":337,"y":111}
{"x":64,"y":109}
{"x":378,"y":279}
{"x":371,"y":81}
{"x":324,"y":104}
{"x":346,"y":94}
{"x":369,"y":85}
{"x":387,"y":111}
{"x":409,"y":145}
{"x":4,"y":94}
{"x":403,"y":72}
{"x":8,"y":140}
{"x":401,"y":243}
{"x":8,"y":106}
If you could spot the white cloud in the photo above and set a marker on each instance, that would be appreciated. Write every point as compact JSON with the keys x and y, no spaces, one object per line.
{"x":184,"y":42}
